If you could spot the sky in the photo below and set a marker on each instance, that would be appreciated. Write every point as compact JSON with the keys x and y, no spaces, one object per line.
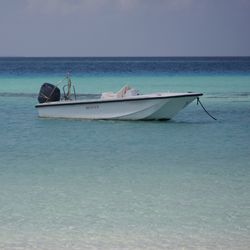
{"x":124,"y":28}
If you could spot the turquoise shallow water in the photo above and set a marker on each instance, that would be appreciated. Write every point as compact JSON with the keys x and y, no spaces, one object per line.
{"x":70,"y":184}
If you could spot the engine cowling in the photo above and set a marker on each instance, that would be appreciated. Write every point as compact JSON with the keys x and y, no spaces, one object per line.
{"x":49,"y":93}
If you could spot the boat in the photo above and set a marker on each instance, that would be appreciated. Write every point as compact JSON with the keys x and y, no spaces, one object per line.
{"x":126,"y":104}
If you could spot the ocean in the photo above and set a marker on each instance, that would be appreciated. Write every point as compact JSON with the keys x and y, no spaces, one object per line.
{"x":81,"y":184}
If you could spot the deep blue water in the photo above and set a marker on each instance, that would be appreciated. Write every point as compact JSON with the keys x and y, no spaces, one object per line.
{"x":127,"y":65}
{"x":72,"y":184}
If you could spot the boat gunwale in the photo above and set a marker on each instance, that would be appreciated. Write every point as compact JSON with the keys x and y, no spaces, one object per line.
{"x":99,"y":101}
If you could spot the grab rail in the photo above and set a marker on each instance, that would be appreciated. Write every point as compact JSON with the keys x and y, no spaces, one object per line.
{"x":66,"y":96}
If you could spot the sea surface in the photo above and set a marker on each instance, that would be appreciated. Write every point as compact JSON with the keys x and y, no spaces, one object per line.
{"x":81,"y":184}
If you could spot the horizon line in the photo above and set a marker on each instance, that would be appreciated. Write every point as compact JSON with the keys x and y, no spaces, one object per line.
{"x":119,"y":56}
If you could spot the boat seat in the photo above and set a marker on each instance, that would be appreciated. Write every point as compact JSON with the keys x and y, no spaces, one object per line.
{"x":108,"y":95}
{"x":125,"y":91}
{"x":122,"y":92}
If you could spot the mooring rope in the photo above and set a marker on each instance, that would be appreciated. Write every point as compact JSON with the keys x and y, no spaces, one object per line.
{"x":199,"y":102}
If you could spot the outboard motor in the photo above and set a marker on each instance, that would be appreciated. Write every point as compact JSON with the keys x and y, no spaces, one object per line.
{"x":49,"y":93}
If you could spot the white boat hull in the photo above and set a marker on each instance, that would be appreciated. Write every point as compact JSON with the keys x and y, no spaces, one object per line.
{"x":142,"y":107}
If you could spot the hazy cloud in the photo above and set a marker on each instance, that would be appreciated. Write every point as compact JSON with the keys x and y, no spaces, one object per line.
{"x":124,"y":27}
{"x":65,"y":7}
